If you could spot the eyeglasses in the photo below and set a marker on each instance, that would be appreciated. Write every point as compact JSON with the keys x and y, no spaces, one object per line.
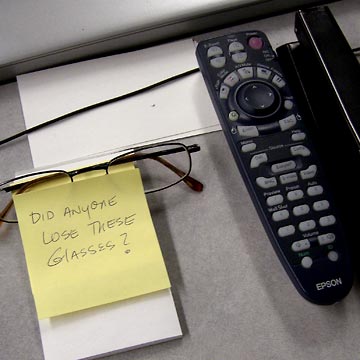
{"x":161,"y":166}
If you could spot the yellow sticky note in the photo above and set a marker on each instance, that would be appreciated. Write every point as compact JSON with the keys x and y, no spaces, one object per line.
{"x":89,"y":243}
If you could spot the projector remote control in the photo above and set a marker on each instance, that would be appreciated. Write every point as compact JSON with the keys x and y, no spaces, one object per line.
{"x":276,"y":155}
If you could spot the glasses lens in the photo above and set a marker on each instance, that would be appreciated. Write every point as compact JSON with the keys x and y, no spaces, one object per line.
{"x":161,"y":166}
{"x":26,"y":183}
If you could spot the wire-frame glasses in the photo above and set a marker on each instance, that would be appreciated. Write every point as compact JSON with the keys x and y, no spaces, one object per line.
{"x":161,"y":166}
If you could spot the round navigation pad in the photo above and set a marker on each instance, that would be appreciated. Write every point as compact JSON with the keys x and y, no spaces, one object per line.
{"x":258,"y":99}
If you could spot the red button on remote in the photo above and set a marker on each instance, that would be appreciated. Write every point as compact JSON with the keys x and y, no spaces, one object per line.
{"x":256,"y":43}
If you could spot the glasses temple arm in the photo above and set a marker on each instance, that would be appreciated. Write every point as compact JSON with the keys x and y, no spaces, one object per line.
{"x":188,"y":180}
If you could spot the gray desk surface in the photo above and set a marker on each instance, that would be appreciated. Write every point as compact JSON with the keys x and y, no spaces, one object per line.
{"x":234,"y":300}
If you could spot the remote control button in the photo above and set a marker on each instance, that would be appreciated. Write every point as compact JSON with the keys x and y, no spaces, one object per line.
{"x":307,"y":225}
{"x":266,"y":183}
{"x":295,"y":195}
{"x":321,"y":205}
{"x":232,"y":79}
{"x":283,"y":166}
{"x":301,"y":210}
{"x":239,"y":57}
{"x":278,"y":81}
{"x":224,"y":91}
{"x":299,"y":136}
{"x":308,"y":173}
{"x":233,"y":116}
{"x":315,"y":190}
{"x":327,"y":220}
{"x":333,"y":256}
{"x":326,"y":239}
{"x":246,"y":72}
{"x":300,"y":245}
{"x":218,"y":62}
{"x":248,"y":147}
{"x":248,"y":131}
{"x":257,"y":160}
{"x":269,"y":128}
{"x":236,"y":46}
{"x":306,"y":262}
{"x":287,"y":123}
{"x":286,"y":230}
{"x":258,"y":99}
{"x":263,"y":73}
{"x":288,"y":104}
{"x":256,"y":43}
{"x":300,"y":150}
{"x":280,"y":215}
{"x":288,"y":178}
{"x":274,"y":200}
{"x":214,"y":51}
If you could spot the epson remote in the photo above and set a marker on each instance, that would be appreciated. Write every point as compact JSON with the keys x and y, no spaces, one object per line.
{"x":277,"y":158}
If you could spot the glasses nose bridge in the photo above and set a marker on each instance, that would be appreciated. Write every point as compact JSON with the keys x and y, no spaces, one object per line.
{"x":96,"y":167}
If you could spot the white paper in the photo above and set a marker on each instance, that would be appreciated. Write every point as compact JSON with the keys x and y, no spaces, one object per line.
{"x":110,"y":328}
{"x":177,"y":109}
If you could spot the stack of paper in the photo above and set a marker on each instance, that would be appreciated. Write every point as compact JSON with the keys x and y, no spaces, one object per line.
{"x":175,"y":110}
{"x":96,"y":270}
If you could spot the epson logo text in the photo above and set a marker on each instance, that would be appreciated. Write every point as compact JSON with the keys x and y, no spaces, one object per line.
{"x":328,"y":284}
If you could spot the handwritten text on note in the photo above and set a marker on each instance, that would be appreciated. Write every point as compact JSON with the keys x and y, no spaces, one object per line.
{"x":89,"y":243}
